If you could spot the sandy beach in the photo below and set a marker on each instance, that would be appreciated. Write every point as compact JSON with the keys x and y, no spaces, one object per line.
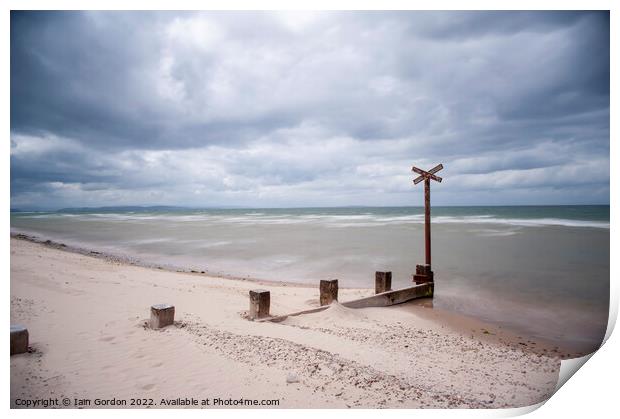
{"x":86,"y":318}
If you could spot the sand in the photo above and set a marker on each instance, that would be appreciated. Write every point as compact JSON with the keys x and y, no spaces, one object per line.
{"x":86,"y":317}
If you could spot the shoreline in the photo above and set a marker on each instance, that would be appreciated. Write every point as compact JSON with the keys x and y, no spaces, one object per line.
{"x":86,"y":320}
{"x":131,"y":261}
{"x":519,"y":336}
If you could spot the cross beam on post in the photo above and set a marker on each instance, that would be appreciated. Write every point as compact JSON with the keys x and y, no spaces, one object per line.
{"x":430,"y":174}
{"x":426,"y":176}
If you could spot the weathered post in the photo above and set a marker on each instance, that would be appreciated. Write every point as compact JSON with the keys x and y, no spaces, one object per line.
{"x":427,"y":220}
{"x":383,"y":282}
{"x":328,"y":291}
{"x":162,"y":315}
{"x":424,"y":273}
{"x":19,"y":339}
{"x":259,"y":304}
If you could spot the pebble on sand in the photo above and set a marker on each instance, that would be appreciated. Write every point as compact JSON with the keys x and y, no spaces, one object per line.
{"x":292,"y":378}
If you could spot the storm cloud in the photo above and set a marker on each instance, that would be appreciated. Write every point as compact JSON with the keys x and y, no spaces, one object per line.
{"x":308,"y":109}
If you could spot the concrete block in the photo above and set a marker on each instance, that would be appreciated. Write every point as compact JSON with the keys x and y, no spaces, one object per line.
{"x":162,"y":315}
{"x":259,"y":304}
{"x":19,"y":339}
{"x":383,"y":282}
{"x":328,"y":291}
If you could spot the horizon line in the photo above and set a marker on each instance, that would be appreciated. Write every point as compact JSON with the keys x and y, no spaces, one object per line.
{"x":225,"y":207}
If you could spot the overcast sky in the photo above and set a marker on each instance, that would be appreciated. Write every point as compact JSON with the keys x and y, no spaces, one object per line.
{"x":308,"y":109}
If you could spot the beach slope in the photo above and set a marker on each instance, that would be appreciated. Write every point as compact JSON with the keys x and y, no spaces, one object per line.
{"x":86,"y":317}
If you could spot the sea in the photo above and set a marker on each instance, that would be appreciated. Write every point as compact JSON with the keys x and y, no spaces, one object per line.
{"x":542,"y":271}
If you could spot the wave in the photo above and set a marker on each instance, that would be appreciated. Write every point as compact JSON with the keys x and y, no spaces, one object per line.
{"x":328,"y":220}
{"x":522,"y":222}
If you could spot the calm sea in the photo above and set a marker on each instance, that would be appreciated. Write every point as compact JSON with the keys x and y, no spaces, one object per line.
{"x":541,"y":270}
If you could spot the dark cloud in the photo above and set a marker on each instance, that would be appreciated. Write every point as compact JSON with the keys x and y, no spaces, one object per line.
{"x":468,"y":25}
{"x":263,"y":108}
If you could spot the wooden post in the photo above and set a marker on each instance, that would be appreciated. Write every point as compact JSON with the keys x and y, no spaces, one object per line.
{"x":259,"y":304}
{"x":427,"y":219}
{"x":328,"y":291}
{"x":19,"y":339}
{"x":162,"y":315}
{"x":423,"y":272}
{"x":383,"y":282}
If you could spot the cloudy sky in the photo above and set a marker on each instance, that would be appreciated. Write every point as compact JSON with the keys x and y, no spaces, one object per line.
{"x":308,"y":109}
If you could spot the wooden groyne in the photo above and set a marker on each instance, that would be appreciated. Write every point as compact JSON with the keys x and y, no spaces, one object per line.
{"x":384,"y":299}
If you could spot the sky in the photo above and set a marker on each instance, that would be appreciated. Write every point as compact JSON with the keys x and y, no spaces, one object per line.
{"x":293,"y":109}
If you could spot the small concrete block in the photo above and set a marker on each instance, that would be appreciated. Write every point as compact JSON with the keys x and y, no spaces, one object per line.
{"x":328,"y":291}
{"x":259,"y":304}
{"x":162,"y":315}
{"x":383,"y":282}
{"x":19,"y":339}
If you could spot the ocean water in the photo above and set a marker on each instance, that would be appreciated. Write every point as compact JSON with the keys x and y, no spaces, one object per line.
{"x":540,"y":270}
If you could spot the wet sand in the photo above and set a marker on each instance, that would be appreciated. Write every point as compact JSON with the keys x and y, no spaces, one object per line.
{"x":86,"y":316}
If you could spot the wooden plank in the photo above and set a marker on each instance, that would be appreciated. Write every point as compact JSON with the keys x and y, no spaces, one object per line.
{"x":434,"y":177}
{"x":429,"y":172}
{"x":393,"y":297}
{"x":424,"y":174}
{"x":429,"y":176}
{"x":277,"y":319}
{"x":436,"y":169}
{"x":418,"y":171}
{"x":384,"y":299}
